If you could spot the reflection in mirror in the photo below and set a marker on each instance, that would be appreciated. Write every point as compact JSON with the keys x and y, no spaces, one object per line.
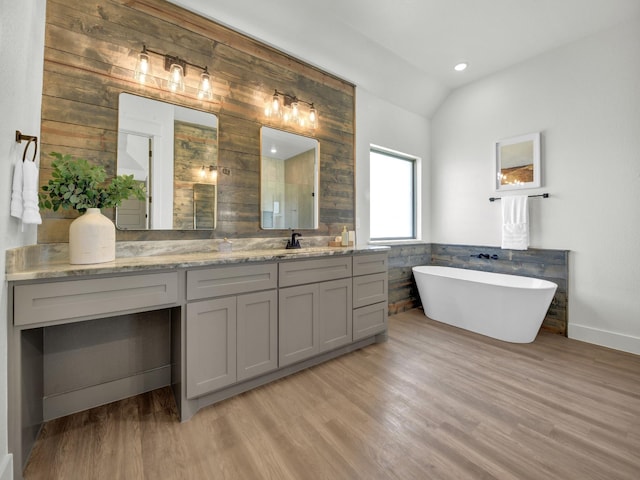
{"x":518,"y":162}
{"x":288,"y":180}
{"x":204,"y":206}
{"x":169,"y":149}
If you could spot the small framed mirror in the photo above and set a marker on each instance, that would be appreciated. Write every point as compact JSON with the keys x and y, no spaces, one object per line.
{"x":518,"y":162}
{"x":288,"y":180}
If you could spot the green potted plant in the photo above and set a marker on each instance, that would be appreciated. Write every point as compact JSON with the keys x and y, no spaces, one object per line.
{"x":78,"y":185}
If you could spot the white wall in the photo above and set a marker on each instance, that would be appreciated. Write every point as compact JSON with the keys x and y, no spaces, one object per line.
{"x":585,"y":99}
{"x":21,"y":57}
{"x":381,"y":123}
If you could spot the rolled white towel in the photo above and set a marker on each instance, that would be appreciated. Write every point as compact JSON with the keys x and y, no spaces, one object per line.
{"x":16,"y":190}
{"x":515,"y":222}
{"x":30,"y":214}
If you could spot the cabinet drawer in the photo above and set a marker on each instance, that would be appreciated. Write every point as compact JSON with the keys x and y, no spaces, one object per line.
{"x":221,"y":281}
{"x":310,"y":271}
{"x":46,"y":302}
{"x":369,"y":263}
{"x":369,"y":320}
{"x":369,"y":289}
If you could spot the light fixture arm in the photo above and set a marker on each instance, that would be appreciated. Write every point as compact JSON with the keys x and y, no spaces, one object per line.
{"x":174,"y":60}
{"x":289,"y":99}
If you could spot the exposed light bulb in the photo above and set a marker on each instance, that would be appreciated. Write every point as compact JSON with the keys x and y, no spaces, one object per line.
{"x":204,"y":90}
{"x":313,"y":116}
{"x":286,"y":114}
{"x":203,"y":172}
{"x":175,"y":83}
{"x":294,"y":109}
{"x":275,"y":104}
{"x":142,"y":66}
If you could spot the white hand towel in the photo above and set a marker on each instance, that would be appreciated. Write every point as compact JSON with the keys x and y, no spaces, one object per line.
{"x":16,"y":190}
{"x":30,"y":214}
{"x":515,"y":222}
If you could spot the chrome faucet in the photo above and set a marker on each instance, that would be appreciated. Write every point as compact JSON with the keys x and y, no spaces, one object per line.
{"x":294,"y":242}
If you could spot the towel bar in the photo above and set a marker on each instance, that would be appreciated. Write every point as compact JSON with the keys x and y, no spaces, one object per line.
{"x":543,"y":195}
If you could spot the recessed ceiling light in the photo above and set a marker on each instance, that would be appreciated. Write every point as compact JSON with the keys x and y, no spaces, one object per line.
{"x":461,"y":66}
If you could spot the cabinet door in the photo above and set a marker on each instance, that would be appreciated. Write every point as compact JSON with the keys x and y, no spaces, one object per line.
{"x":257,"y":333}
{"x":210,"y":345}
{"x":298,"y":323}
{"x":336,"y":314}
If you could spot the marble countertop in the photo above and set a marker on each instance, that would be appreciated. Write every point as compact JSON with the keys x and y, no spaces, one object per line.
{"x":155,"y":257}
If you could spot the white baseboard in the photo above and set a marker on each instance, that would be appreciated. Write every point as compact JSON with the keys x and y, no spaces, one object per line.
{"x":6,"y":467}
{"x":617,"y":341}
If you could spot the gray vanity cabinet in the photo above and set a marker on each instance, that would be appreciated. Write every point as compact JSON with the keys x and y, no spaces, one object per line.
{"x":370,"y":295}
{"x":316,"y":311}
{"x":210,"y":328}
{"x":233,"y":337}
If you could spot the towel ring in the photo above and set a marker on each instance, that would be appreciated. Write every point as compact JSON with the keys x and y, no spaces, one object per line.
{"x":30,"y":139}
{"x":35,"y":149}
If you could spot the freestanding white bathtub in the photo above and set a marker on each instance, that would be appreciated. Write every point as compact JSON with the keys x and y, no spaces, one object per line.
{"x":506,"y":307}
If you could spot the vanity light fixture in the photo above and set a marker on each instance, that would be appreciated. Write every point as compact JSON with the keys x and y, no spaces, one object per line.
{"x":213,"y":171}
{"x":288,"y":108}
{"x":177,"y":68}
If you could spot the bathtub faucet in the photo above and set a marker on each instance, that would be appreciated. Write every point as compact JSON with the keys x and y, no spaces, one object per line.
{"x":485,"y":255}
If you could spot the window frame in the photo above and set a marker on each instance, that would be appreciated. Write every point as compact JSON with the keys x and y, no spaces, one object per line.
{"x":416,"y":168}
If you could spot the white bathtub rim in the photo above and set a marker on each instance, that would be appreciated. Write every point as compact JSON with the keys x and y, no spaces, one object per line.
{"x":498,"y":279}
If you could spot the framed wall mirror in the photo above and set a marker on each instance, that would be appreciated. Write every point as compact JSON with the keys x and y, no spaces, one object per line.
{"x":173,"y":151}
{"x":288,"y":180}
{"x":517,"y":162}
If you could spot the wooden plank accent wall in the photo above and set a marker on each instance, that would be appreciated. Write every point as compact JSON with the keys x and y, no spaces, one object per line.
{"x":90,"y":55}
{"x":552,"y":265}
{"x":403,"y":293}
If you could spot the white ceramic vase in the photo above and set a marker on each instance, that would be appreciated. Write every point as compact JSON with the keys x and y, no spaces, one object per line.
{"x":92,"y":238}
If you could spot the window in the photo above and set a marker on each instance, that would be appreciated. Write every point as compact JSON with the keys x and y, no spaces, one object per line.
{"x":393,"y":195}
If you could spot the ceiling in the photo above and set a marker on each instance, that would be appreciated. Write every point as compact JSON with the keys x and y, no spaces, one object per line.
{"x":283,"y":145}
{"x":404,"y":50}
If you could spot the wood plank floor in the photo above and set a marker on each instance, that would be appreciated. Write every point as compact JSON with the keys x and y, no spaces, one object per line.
{"x":434,"y":402}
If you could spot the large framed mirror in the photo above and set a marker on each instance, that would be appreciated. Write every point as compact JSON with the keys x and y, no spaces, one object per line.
{"x":288,"y":180}
{"x":173,"y":151}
